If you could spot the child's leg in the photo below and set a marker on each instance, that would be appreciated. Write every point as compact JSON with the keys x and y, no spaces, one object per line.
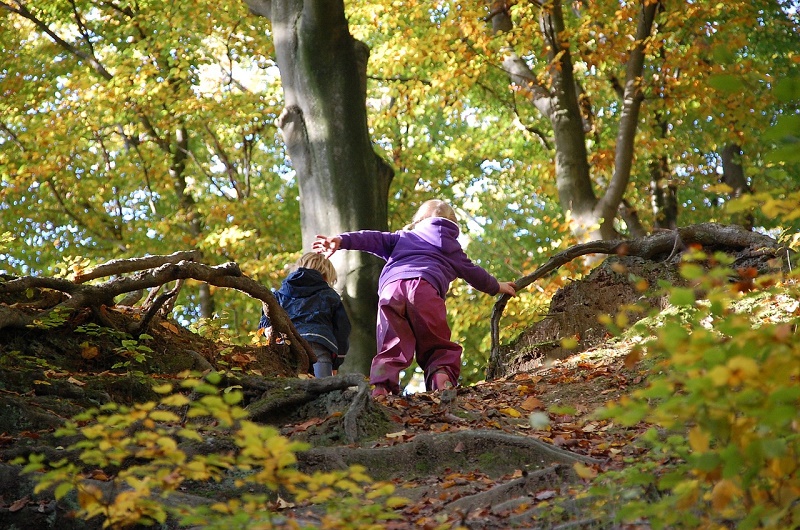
{"x":324,"y":365}
{"x":395,"y":339}
{"x":437,"y":355}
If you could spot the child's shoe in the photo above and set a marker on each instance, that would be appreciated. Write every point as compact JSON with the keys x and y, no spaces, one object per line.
{"x":380,"y":390}
{"x":441,"y":381}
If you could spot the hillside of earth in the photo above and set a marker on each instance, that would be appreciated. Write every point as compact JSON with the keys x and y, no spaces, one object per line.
{"x":498,"y":454}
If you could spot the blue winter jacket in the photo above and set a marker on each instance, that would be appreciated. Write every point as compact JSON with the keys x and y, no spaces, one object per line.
{"x":315,"y":309}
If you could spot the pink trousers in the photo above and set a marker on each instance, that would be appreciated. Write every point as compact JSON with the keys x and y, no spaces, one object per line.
{"x":412,"y":319}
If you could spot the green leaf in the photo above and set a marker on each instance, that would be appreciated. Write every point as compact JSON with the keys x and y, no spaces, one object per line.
{"x":726,"y":83}
{"x":681,"y":296}
{"x":62,"y":489}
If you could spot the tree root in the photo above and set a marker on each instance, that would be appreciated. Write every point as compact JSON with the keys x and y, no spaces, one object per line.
{"x":492,"y":452}
{"x":175,"y":267}
{"x":280,"y":398}
{"x":500,"y":497}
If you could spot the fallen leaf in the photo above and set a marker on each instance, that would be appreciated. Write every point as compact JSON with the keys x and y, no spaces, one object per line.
{"x":18,"y":504}
{"x":89,"y":352}
{"x":544,"y":495}
{"x":632,"y":358}
{"x":584,"y":471}
{"x":398,"y":434}
{"x":510,"y":411}
{"x":282,"y":504}
{"x":170,"y":326}
{"x":75,"y":381}
{"x":532,"y":403}
{"x":98,"y":474}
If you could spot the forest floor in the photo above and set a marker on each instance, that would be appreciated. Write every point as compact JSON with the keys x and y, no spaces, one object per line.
{"x":575,"y":388}
{"x":518,"y":451}
{"x":479,"y":478}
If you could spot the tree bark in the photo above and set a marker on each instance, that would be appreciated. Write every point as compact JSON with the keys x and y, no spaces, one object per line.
{"x":632,"y":98}
{"x":664,"y":195}
{"x":343,"y":183}
{"x":592,"y":217}
{"x":733,"y":175}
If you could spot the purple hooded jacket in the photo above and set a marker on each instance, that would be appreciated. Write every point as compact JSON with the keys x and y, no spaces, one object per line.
{"x":430,"y":251}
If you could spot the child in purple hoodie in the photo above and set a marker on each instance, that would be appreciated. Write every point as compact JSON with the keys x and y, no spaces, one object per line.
{"x":422,"y":260}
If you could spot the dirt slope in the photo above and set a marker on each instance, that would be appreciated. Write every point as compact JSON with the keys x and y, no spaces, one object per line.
{"x":470,"y":457}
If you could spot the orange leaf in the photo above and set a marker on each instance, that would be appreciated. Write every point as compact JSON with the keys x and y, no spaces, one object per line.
{"x":18,"y":504}
{"x":722,"y":494}
{"x":89,"y":352}
{"x":532,"y":403}
{"x":170,"y":326}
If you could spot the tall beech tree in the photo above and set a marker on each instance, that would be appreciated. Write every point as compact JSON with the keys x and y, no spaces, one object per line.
{"x":343,"y":183}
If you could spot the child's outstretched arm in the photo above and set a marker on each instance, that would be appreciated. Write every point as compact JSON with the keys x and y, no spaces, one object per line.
{"x":508,"y":288}
{"x":326,"y":245}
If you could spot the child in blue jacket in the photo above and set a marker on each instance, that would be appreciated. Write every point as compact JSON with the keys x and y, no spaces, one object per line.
{"x":316,"y":310}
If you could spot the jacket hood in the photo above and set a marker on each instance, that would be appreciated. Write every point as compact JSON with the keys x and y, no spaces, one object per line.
{"x":303,"y":283}
{"x":439,"y":232}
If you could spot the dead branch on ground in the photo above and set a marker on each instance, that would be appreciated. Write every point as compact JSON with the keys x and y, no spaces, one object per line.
{"x":667,"y":243}
{"x":147,"y":273}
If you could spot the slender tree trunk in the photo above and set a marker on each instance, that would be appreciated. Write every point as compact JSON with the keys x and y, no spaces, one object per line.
{"x":592,"y":218}
{"x":664,"y":195}
{"x":733,"y":175}
{"x":632,"y":98}
{"x":343,"y":184}
{"x":573,"y":180}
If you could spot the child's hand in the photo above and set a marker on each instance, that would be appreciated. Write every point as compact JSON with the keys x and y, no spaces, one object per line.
{"x":508,"y":288}
{"x":326,"y":245}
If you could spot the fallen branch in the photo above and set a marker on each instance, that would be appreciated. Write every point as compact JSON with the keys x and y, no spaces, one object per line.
{"x":664,"y":243}
{"x":94,"y":297}
{"x":123,"y":266}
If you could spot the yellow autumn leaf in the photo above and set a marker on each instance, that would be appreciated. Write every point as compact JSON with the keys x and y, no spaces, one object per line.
{"x":724,"y":491}
{"x":396,"y":502}
{"x":509,"y":411}
{"x":166,"y":388}
{"x":719,"y":375}
{"x":584,"y":471}
{"x":745,"y":367}
{"x":698,"y":440}
{"x":569,"y":343}
{"x":175,"y":400}
{"x":88,"y":495}
{"x":687,"y":492}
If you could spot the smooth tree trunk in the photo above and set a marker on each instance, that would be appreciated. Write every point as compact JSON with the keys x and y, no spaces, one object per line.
{"x":343,"y":183}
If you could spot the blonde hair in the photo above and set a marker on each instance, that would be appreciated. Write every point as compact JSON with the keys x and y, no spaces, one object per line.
{"x":433,"y":208}
{"x":319,"y":263}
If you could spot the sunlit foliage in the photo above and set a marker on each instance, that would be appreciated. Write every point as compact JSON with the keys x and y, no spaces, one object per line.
{"x":146,"y":453}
